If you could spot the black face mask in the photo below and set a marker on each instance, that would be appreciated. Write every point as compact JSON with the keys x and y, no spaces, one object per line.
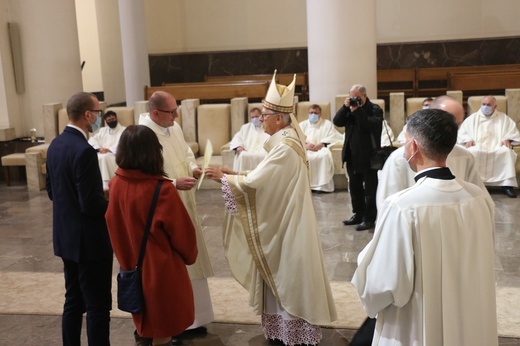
{"x":112,"y":124}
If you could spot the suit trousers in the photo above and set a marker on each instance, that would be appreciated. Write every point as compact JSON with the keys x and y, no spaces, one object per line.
{"x":363,"y":186}
{"x":88,"y":288}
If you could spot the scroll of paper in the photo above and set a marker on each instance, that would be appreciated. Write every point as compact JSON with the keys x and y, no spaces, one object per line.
{"x":208,"y":153}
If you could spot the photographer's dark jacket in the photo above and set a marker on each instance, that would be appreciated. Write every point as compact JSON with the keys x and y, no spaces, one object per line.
{"x":358,"y":147}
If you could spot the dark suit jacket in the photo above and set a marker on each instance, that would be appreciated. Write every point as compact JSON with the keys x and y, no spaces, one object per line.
{"x":75,"y":187}
{"x":365,"y":120}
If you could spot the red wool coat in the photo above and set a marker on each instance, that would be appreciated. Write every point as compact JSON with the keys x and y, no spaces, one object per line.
{"x":168,"y":295}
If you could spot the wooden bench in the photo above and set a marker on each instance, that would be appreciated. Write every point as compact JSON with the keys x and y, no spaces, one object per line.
{"x":484,"y":82}
{"x":302,"y":81}
{"x":392,"y":81}
{"x":434,"y":81}
{"x":212,"y":91}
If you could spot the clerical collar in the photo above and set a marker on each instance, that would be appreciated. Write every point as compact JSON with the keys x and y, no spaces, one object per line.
{"x":442,"y":173}
{"x":164,"y":130}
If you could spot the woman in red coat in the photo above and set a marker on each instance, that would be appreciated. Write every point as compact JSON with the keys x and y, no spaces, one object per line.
{"x":168,"y":296}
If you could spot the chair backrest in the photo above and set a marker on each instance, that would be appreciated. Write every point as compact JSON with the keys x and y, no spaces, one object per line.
{"x":125,"y":115}
{"x":213,"y":123}
{"x":474,"y":103}
{"x":63,"y":119}
{"x":413,"y":104}
{"x":302,"y":110}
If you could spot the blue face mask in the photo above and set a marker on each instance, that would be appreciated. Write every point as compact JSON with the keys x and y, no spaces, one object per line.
{"x":96,"y":125}
{"x":256,"y":122}
{"x":313,"y":118}
{"x":487,"y":110}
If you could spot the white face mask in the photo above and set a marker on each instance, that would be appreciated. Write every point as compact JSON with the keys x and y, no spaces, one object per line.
{"x":487,"y":110}
{"x":313,"y":118}
{"x":425,"y":107}
{"x":256,"y":122}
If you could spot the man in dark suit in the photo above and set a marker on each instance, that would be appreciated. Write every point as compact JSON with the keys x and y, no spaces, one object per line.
{"x":80,"y":233}
{"x":363,"y":122}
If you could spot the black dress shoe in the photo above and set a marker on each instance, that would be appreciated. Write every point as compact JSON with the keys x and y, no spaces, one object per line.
{"x":365,"y":225}
{"x":509,"y":191}
{"x":199,"y":331}
{"x":176,"y":341}
{"x":354,"y":220}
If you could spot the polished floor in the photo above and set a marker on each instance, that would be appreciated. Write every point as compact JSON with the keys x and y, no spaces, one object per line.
{"x":26,"y":245}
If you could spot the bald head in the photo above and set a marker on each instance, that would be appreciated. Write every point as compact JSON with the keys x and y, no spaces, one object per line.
{"x":450,"y":105}
{"x":163,"y":108}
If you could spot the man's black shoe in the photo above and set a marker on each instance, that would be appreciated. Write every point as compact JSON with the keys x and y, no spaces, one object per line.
{"x":354,"y":220}
{"x":199,"y":331}
{"x":365,"y":225}
{"x":509,"y":191}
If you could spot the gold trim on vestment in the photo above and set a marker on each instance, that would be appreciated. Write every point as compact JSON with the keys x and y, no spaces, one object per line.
{"x":294,"y":144}
{"x":245,"y":197}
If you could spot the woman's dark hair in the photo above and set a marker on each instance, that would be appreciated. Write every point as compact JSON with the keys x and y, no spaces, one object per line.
{"x":140,"y":149}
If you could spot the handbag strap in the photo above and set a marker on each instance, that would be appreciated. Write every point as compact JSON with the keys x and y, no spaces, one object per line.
{"x":149,"y":224}
{"x":374,"y":141}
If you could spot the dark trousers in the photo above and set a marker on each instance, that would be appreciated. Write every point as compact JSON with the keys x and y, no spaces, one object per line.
{"x":88,"y":289}
{"x":363,"y":186}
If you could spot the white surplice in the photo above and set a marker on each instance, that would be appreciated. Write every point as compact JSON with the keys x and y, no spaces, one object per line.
{"x":428,"y":273}
{"x":252,"y":139}
{"x":179,"y":162}
{"x":108,"y":138}
{"x":397,"y":175}
{"x":321,"y":163}
{"x":495,"y":162}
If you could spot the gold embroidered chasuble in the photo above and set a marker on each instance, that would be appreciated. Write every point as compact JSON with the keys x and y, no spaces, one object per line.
{"x":274,"y":238}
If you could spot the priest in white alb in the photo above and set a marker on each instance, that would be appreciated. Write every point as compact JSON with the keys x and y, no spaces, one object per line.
{"x":271,"y":238}
{"x":397,"y":175}
{"x":105,"y":142}
{"x":320,"y":134}
{"x":489,"y":135}
{"x":428,"y":274}
{"x":248,"y":143}
{"x":180,"y":165}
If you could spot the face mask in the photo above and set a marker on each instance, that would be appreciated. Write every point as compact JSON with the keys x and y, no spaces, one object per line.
{"x":96,"y":125}
{"x":256,"y":122}
{"x":487,"y":110}
{"x":313,"y":118}
{"x":426,"y":107}
{"x":112,"y":123}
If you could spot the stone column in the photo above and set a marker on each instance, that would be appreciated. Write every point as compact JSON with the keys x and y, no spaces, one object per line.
{"x":135,"y":51}
{"x":50,"y":120}
{"x":397,"y":113}
{"x":341,"y":40}
{"x":513,"y":105}
{"x":239,"y":114}
{"x":189,"y":119}
{"x":140,"y":107}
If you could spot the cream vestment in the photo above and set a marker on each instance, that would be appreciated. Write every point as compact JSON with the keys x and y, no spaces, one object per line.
{"x":179,"y":162}
{"x":495,"y":162}
{"x":251,"y":138}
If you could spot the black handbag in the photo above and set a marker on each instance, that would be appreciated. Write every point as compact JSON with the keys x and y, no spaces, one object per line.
{"x":379,"y":155}
{"x":129,"y":285}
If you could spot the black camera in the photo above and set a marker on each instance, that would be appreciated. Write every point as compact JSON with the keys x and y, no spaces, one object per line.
{"x":355,"y":101}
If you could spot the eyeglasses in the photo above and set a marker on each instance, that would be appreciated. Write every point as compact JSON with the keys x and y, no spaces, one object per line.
{"x":164,"y":111}
{"x":265,"y":115}
{"x":97,"y":112}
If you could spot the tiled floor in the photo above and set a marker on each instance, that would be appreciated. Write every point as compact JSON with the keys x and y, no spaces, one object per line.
{"x":26,"y":245}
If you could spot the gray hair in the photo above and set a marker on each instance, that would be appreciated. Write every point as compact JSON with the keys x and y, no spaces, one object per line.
{"x":359,"y":87}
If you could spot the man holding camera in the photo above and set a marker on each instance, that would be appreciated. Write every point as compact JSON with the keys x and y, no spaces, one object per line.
{"x":363,"y":123}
